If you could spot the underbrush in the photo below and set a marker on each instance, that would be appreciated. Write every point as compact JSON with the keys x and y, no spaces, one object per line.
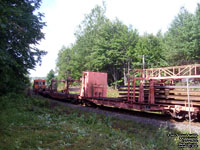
{"x":35,"y":123}
{"x":112,"y":92}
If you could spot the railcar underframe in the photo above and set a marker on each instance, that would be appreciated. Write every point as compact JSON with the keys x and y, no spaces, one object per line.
{"x":147,"y":90}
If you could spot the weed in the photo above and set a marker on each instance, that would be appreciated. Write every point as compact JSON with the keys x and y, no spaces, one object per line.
{"x":32,"y":123}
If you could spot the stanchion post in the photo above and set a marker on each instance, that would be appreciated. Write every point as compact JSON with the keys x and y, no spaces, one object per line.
{"x":188,"y":95}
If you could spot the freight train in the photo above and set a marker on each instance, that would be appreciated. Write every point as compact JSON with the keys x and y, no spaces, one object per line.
{"x":153,"y":89}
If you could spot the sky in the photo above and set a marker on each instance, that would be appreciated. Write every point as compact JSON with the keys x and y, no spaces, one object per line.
{"x":62,"y":18}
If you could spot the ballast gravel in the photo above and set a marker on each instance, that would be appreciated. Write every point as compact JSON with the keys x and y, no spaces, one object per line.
{"x":158,"y":123}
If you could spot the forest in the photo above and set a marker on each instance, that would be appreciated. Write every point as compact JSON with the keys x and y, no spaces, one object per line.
{"x":110,"y":46}
{"x":101,"y":45}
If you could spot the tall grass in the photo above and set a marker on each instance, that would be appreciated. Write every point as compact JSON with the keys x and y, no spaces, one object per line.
{"x":35,"y":123}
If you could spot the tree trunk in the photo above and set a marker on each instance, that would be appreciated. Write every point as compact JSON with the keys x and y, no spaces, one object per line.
{"x":125,"y":77}
{"x":128,"y":67}
{"x":114,"y":75}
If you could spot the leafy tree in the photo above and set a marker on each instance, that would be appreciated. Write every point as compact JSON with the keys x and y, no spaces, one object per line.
{"x":101,"y":45}
{"x":181,"y":39}
{"x":196,"y":32}
{"x":153,"y":50}
{"x":67,"y":64}
{"x":88,"y":35}
{"x":72,"y":61}
{"x":20,"y":31}
{"x":115,"y":44}
{"x":112,"y":47}
{"x":50,"y":76}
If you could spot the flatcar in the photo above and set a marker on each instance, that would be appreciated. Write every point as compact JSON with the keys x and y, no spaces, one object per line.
{"x":147,"y":90}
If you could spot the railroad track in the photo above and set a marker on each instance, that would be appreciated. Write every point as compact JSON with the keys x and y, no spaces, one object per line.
{"x":155,"y":119}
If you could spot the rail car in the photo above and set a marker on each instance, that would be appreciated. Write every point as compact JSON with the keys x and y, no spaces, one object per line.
{"x":147,"y":90}
{"x":39,"y":84}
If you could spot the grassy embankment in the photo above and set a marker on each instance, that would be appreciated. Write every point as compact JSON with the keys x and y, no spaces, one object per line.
{"x":35,"y":123}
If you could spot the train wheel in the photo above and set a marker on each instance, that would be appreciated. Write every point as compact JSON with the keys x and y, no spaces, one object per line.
{"x":193,"y":117}
{"x":179,"y":116}
{"x":198,"y":117}
{"x":90,"y":104}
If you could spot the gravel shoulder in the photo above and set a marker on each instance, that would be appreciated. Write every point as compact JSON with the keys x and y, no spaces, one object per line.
{"x":159,"y":123}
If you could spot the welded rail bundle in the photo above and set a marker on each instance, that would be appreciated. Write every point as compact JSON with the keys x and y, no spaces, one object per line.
{"x":147,"y":90}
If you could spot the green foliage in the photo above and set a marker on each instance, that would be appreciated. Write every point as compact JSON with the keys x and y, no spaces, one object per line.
{"x":182,"y":40}
{"x":101,"y":45}
{"x":36,"y":123}
{"x":50,"y":76}
{"x":110,"y":46}
{"x":153,"y":50}
{"x":116,"y":41}
{"x":73,"y":60}
{"x":68,"y":64}
{"x":20,"y":31}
